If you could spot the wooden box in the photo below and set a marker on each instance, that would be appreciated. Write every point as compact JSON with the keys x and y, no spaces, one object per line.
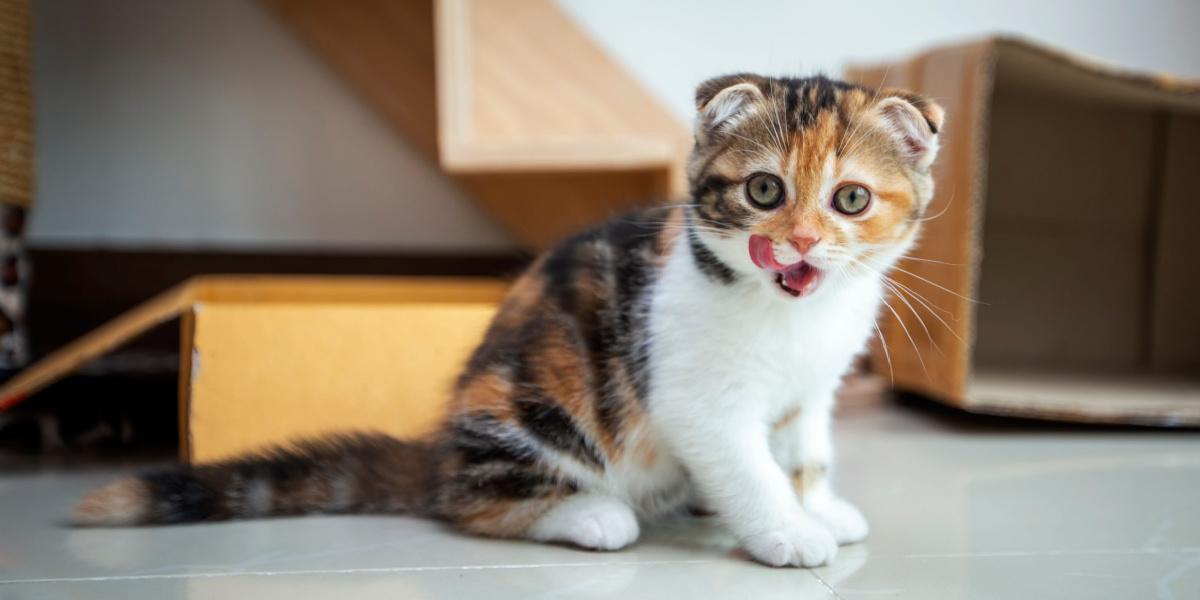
{"x":1059,"y":271}
{"x":265,"y":359}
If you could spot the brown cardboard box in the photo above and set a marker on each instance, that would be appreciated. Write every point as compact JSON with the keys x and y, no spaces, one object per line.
{"x":1066,"y":206}
{"x":266,"y":360}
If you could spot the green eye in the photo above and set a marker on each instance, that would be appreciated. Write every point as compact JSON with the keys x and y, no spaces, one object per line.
{"x":765,"y":190}
{"x":851,"y":199}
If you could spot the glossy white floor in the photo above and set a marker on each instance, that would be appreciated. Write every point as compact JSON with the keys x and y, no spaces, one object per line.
{"x":959,"y":511}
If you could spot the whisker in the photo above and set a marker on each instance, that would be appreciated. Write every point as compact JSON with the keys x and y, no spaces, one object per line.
{"x":940,"y":213}
{"x":912,"y":341}
{"x":940,"y":287}
{"x":930,"y":260}
{"x":918,"y":295}
{"x":920,"y":319}
{"x":886,"y":354}
{"x":950,"y":329}
{"x":915,"y":296}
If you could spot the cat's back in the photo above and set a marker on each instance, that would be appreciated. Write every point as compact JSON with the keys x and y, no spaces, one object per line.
{"x":561,"y":374}
{"x":604,"y":271}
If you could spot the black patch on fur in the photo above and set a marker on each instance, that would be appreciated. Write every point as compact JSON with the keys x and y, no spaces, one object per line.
{"x":180,"y":497}
{"x":820,"y":95}
{"x":707,"y":262}
{"x":636,"y":236}
{"x":559,"y":268}
{"x":712,"y":205}
{"x":553,"y":425}
{"x":513,"y":484}
{"x":793,"y":120}
{"x":474,"y":442}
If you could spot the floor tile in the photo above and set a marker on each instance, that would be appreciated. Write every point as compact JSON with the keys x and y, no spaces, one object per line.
{"x":941,"y":490}
{"x":35,"y":545}
{"x":1082,"y":576}
{"x":957,"y":511}
{"x":627,"y":580}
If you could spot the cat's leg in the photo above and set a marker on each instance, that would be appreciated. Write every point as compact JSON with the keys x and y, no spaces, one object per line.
{"x":725,"y":450}
{"x":803,"y":447}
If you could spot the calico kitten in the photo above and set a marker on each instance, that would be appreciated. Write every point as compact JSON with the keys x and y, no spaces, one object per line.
{"x":677,"y":356}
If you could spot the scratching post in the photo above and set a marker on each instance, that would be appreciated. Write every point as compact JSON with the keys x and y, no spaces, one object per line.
{"x":16,"y":175}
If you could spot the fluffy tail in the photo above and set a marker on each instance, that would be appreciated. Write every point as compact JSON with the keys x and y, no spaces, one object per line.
{"x":348,"y":474}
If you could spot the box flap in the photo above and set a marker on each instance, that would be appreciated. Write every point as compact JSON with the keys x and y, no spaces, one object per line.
{"x":1086,"y":397}
{"x":1026,"y":66}
{"x":238,"y":288}
{"x":66,"y":360}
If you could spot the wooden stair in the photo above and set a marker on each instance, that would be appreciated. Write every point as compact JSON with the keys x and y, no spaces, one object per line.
{"x":509,"y":97}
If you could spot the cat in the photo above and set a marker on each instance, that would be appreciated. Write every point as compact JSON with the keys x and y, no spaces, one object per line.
{"x":678,"y":356}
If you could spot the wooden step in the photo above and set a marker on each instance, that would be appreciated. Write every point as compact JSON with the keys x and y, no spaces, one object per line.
{"x":511,"y":98}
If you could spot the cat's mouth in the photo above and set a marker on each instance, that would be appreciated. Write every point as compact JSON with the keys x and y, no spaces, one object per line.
{"x":799,"y":280}
{"x":796,"y":280}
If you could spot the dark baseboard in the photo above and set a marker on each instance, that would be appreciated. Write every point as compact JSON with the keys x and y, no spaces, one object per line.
{"x":75,"y":290}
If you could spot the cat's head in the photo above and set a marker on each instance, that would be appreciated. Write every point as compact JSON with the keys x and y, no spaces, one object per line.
{"x":803,"y":183}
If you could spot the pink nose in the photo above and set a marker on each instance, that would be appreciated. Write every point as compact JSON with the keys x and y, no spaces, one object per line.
{"x":803,"y":244}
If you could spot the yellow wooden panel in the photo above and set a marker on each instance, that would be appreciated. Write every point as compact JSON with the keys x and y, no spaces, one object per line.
{"x":267,"y":373}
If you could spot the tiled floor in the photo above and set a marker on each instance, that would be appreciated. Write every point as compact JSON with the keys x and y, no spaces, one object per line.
{"x":959,"y":511}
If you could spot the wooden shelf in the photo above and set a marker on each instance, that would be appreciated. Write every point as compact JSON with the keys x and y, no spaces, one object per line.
{"x":511,"y":98}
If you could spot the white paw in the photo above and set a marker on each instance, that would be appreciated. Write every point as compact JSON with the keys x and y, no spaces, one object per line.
{"x":593,"y":522}
{"x":802,"y":543}
{"x":845,"y":522}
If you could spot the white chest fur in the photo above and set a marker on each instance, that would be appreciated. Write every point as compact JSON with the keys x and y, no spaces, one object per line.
{"x":728,"y":344}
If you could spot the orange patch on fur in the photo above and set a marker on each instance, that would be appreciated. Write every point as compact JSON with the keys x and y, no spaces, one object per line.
{"x":666,"y":237}
{"x":807,"y":477}
{"x":562,"y":371}
{"x":645,"y":451}
{"x":526,"y":293}
{"x":632,"y":415}
{"x":123,"y":502}
{"x":504,"y":519}
{"x":896,"y":205}
{"x":487,"y":392}
{"x":786,"y":419}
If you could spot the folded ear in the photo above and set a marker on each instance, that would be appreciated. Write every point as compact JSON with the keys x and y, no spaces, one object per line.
{"x":723,"y":102}
{"x":914,"y":122}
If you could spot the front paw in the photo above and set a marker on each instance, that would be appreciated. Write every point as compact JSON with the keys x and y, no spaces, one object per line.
{"x":845,"y":522}
{"x":801,"y":543}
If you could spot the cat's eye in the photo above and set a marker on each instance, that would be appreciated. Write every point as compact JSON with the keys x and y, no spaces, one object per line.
{"x":851,"y":199}
{"x":765,"y":190}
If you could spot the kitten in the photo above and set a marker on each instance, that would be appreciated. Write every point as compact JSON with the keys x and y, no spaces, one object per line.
{"x":677,"y":356}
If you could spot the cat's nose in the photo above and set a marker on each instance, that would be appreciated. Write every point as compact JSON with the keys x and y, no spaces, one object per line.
{"x":803,"y":243}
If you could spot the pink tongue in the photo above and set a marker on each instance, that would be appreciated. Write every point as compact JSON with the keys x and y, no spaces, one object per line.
{"x":763,"y":254}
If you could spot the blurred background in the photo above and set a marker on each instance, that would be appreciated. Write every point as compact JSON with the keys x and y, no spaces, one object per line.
{"x":207,"y":124}
{"x":239,"y":136}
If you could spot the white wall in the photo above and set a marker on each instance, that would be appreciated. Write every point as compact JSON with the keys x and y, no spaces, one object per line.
{"x":674,"y":44}
{"x":205,"y":123}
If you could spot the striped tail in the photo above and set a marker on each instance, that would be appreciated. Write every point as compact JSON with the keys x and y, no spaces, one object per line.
{"x":347,"y":474}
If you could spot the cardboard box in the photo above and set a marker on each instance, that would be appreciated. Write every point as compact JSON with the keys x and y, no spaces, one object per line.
{"x":266,"y":360}
{"x":1066,"y":207}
